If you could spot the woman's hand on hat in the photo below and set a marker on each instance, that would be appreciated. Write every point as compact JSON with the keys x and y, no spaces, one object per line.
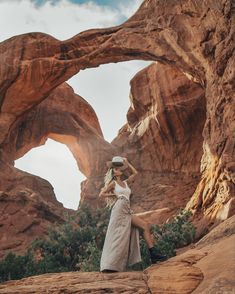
{"x":126,"y":162}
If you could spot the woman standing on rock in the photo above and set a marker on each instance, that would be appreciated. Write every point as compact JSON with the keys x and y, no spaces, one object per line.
{"x":121,"y":245}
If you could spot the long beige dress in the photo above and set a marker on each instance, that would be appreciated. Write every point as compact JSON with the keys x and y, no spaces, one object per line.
{"x":121,"y":245}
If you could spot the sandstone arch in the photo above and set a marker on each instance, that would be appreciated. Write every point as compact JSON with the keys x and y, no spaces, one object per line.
{"x":195,"y":39}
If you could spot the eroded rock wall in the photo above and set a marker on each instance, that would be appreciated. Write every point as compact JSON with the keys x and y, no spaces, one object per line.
{"x":66,"y":117}
{"x":195,"y":39}
{"x":27,"y":207}
{"x":28,"y":203}
{"x":163,"y":137}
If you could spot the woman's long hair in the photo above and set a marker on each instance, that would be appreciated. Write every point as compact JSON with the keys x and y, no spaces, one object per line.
{"x":109,"y":176}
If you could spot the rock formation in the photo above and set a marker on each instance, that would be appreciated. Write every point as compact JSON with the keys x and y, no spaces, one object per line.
{"x":69,"y":119}
{"x":64,"y":117}
{"x":25,"y":214}
{"x":27,"y":202}
{"x":162,"y":137}
{"x":181,"y":120}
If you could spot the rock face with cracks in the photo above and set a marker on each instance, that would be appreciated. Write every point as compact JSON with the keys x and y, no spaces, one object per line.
{"x":162,"y":137}
{"x":165,"y":103}
{"x":185,"y":107}
{"x":28,"y":204}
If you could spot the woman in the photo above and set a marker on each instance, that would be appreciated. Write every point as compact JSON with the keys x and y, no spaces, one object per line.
{"x":121,"y":245}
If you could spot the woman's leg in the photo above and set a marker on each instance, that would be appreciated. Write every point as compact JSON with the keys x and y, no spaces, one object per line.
{"x":154,"y":256}
{"x":138,"y":222}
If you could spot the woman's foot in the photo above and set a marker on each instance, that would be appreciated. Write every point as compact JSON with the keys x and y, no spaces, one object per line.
{"x":108,"y":271}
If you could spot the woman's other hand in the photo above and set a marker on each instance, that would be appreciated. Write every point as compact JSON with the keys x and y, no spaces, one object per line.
{"x":105,"y":191}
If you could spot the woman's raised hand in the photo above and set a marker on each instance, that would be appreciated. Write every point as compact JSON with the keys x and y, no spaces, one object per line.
{"x":126,"y":162}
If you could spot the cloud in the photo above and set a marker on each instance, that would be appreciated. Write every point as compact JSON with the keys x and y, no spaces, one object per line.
{"x":106,"y":88}
{"x":127,"y":8}
{"x":62,"y":20}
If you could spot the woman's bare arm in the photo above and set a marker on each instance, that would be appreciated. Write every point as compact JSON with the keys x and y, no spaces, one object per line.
{"x":106,"y":191}
{"x":134,"y":171}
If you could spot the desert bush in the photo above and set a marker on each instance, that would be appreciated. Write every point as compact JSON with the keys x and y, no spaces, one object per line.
{"x":77,"y":245}
{"x":73,"y":246}
{"x":177,"y":232}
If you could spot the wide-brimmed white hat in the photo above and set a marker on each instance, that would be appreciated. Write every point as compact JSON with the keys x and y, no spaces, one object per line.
{"x":117,"y":161}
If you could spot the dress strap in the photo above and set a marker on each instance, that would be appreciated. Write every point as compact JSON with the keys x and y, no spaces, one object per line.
{"x":120,"y":185}
{"x":126,"y":183}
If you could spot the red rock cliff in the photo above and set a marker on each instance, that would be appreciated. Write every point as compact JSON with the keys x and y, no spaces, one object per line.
{"x":187,"y":37}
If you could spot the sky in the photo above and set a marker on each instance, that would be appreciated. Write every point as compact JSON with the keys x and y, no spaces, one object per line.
{"x":106,"y":88}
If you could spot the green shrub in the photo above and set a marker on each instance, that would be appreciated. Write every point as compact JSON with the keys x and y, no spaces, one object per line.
{"x":11,"y":267}
{"x":176,"y":233}
{"x":91,"y":260}
{"x":77,"y":245}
